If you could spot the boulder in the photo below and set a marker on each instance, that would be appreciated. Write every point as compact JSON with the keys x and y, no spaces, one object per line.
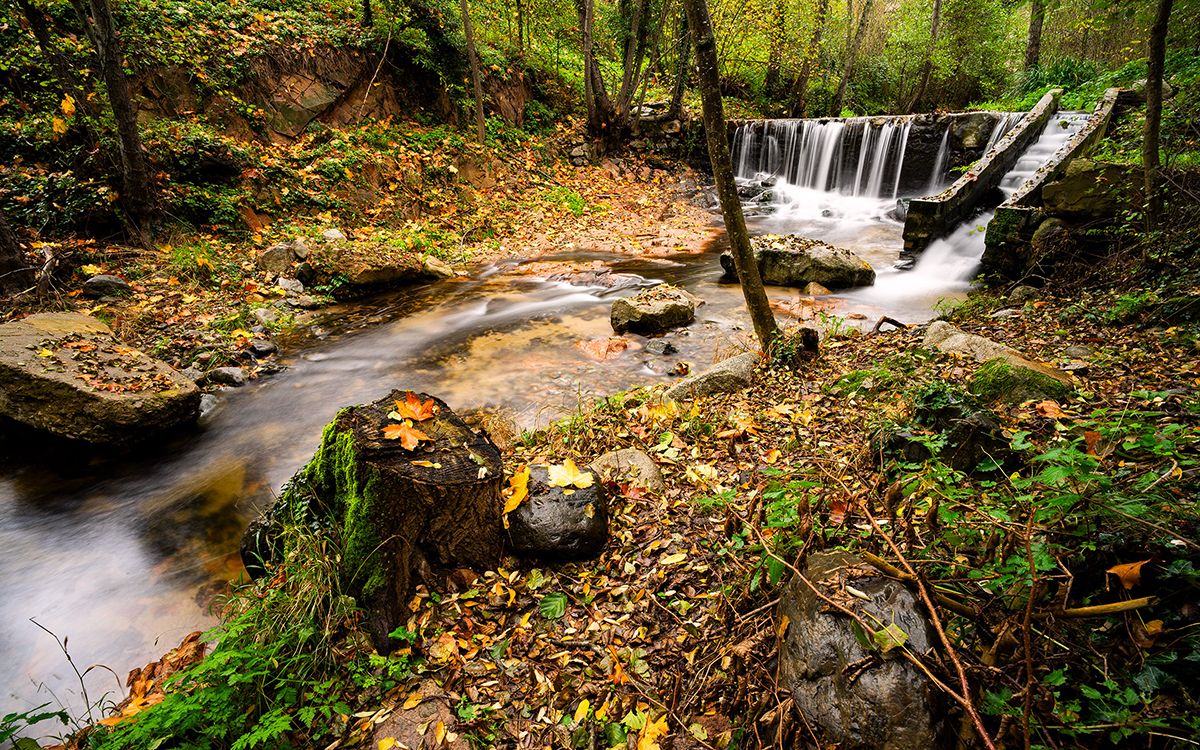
{"x":106,"y":285}
{"x":630,"y":467}
{"x":941,"y":335}
{"x":1022,"y":294}
{"x":729,"y":376}
{"x":1013,"y":381}
{"x":66,"y":374}
{"x":332,"y":235}
{"x":791,"y":260}
{"x":653,"y":310}
{"x":231,"y":376}
{"x":277,"y":258}
{"x":813,"y":289}
{"x":436,"y":268}
{"x":661,"y":347}
{"x":414,"y":723}
{"x":1052,"y":239}
{"x":886,"y":702}
{"x":349,"y":268}
{"x":559,"y":523}
{"x":404,"y":515}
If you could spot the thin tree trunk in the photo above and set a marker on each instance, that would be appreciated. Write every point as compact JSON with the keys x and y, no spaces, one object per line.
{"x":1033,"y":43}
{"x":368,"y":17}
{"x":15,"y":274}
{"x":718,"y":152}
{"x":811,"y":54}
{"x":632,"y":47}
{"x":138,"y":195}
{"x":835,"y":108}
{"x":473,"y":60}
{"x":927,"y":65}
{"x":521,"y":27}
{"x":595,"y":94}
{"x":775,"y":55}
{"x":681,"y":65}
{"x":1154,"y":77}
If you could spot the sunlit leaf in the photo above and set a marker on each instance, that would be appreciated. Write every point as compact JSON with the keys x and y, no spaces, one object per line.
{"x":568,"y":474}
{"x":408,"y":435}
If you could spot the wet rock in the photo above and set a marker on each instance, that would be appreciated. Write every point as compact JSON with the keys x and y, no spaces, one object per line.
{"x":653,"y":310}
{"x":901,"y":444}
{"x":1091,"y":190}
{"x":791,"y":260}
{"x":260,"y":348}
{"x":813,"y":289}
{"x":305,"y":302}
{"x":497,"y":424}
{"x":351,"y":268}
{"x":1077,"y":368}
{"x":973,"y":441}
{"x":208,"y":406}
{"x":941,"y":335}
{"x":66,"y":374}
{"x":730,"y":376}
{"x":1015,"y":381}
{"x":888,"y":703}
{"x":231,"y":376}
{"x":556,"y":525}
{"x":1052,"y":239}
{"x":1022,"y":294}
{"x":105,"y":285}
{"x":661,"y":347}
{"x":332,"y":235}
{"x":630,"y":466}
{"x":437,"y":268}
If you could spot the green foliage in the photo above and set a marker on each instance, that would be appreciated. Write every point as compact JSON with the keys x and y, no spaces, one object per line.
{"x":11,"y":725}
{"x":567,"y":198}
{"x":1000,"y":380}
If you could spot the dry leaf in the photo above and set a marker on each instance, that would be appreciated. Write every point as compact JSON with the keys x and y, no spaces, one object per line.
{"x":568,"y":475}
{"x":408,"y":435}
{"x":772,"y":456}
{"x":517,"y":490}
{"x":387,"y":743}
{"x":1051,"y":410}
{"x":582,"y":712}
{"x":1129,"y":573}
{"x":412,"y":408}
{"x":648,"y":739}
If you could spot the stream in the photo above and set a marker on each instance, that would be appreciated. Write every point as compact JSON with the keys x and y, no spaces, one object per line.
{"x":122,"y":555}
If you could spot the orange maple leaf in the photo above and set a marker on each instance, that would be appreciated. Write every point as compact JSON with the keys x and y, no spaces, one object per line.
{"x":412,"y":408}
{"x":408,"y":435}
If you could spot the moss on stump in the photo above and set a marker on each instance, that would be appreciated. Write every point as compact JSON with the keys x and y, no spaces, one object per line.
{"x":1003,"y":379}
{"x":404,"y":516}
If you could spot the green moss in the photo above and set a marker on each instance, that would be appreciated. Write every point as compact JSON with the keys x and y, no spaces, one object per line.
{"x":1001,"y":380}
{"x":345,"y":496}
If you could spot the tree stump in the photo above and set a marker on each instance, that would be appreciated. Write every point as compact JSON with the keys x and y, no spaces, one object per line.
{"x":403,"y":516}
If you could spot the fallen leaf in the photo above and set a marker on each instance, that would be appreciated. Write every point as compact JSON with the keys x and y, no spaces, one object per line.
{"x":568,"y":475}
{"x":889,"y":638}
{"x":412,"y":408}
{"x":772,"y":456}
{"x":517,"y":490}
{"x":582,"y":712}
{"x":1051,"y":410}
{"x":674,"y":559}
{"x":387,"y":743}
{"x":408,"y":435}
{"x":1129,"y":573}
{"x":68,"y":106}
{"x":648,"y":739}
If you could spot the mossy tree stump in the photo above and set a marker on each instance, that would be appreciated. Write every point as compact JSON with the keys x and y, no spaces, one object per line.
{"x":404,"y":516}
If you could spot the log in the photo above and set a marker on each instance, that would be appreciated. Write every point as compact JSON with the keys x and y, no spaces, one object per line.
{"x":402,"y":516}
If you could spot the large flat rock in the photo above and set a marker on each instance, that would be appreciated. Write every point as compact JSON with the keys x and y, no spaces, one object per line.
{"x":792,"y":260}
{"x":66,"y":374}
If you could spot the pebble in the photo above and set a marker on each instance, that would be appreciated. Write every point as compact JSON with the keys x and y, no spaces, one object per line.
{"x":660,"y":346}
{"x":233,"y":376}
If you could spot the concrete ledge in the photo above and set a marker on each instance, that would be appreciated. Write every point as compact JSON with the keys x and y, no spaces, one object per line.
{"x":1012,"y":228}
{"x":936,"y":216}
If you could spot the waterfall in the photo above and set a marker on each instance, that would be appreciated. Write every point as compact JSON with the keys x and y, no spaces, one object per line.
{"x":817,"y":154}
{"x":1003,"y":125}
{"x":936,"y":177}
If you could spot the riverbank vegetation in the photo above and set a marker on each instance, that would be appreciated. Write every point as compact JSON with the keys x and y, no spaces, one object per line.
{"x":1060,"y":566}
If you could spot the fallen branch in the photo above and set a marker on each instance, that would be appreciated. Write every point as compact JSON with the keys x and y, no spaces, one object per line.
{"x":887,"y":568}
{"x":1100,"y":610}
{"x":890,"y":321}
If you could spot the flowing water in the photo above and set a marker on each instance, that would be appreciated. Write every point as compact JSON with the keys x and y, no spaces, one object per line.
{"x":121,"y":555}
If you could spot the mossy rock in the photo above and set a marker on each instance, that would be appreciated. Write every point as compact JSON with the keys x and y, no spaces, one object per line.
{"x":1006,"y":380}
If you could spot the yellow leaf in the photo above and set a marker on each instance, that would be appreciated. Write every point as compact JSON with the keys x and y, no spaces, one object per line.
{"x":1129,"y":573}
{"x":45,"y":353}
{"x":202,"y":262}
{"x":387,"y":743}
{"x":241,"y":333}
{"x":68,"y":106}
{"x":517,"y":491}
{"x":647,"y":740}
{"x":582,"y":712}
{"x":568,"y":475}
{"x":772,"y":456}
{"x":59,"y":125}
{"x":439,"y":733}
{"x":783,"y":625}
{"x":413,"y":701}
{"x":674,"y":559}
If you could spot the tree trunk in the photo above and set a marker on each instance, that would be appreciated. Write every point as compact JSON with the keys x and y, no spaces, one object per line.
{"x":631,"y":62}
{"x":1154,"y":78}
{"x":138,"y":195}
{"x":722,"y":166}
{"x":368,"y":17}
{"x":811,"y":54}
{"x":15,"y":273}
{"x":775,"y":55}
{"x":473,"y":61}
{"x":835,"y":109}
{"x":403,"y":516}
{"x":927,"y":65}
{"x":1033,"y":43}
{"x":681,"y":65}
{"x":521,"y":27}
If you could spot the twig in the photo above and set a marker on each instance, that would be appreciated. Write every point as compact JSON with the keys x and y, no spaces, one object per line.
{"x":886,"y":567}
{"x":1099,"y":610}
{"x":891,"y":321}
